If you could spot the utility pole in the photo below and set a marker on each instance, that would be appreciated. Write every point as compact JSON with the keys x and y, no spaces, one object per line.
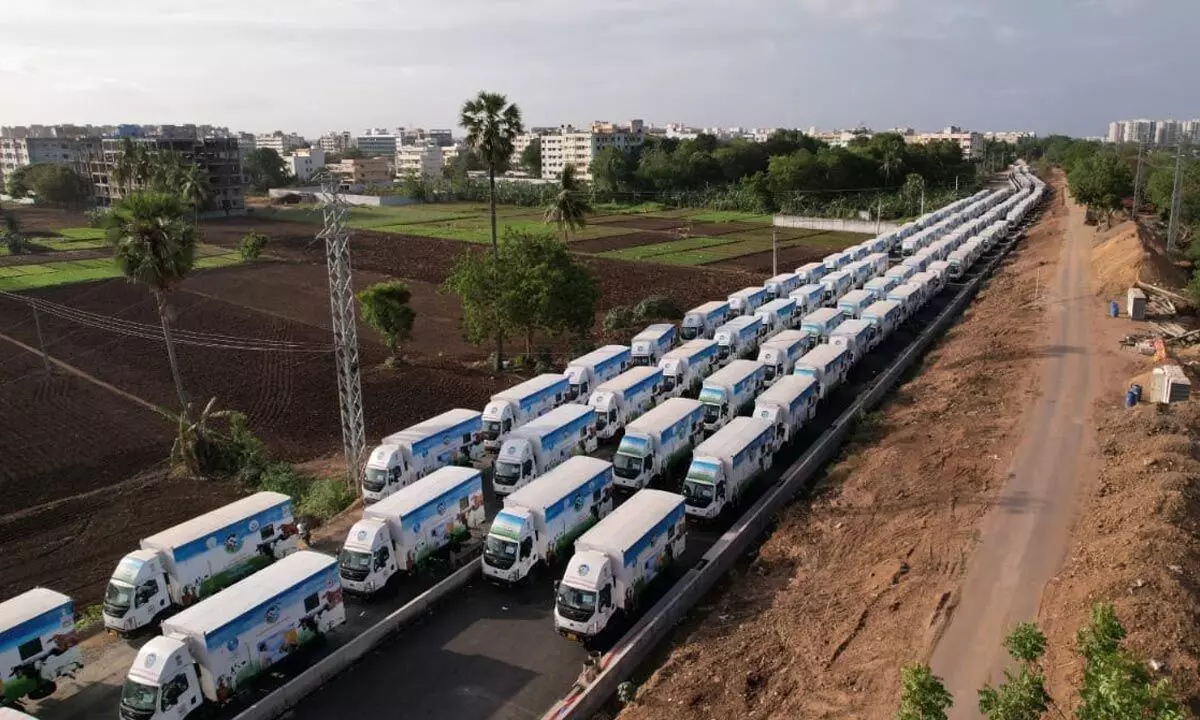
{"x":922,"y":196}
{"x":37,"y":324}
{"x":1173,"y":227}
{"x":774,"y":252}
{"x":336,"y":235}
{"x":1137,"y":179}
{"x":878,"y":214}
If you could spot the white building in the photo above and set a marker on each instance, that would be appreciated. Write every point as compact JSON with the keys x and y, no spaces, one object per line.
{"x":304,"y":162}
{"x":571,"y":146}
{"x":1116,"y":132}
{"x":1012,"y":137}
{"x":281,"y":142}
{"x":373,"y":143}
{"x":971,"y":143}
{"x":424,"y":161}
{"x":24,"y":151}
{"x":335,"y":141}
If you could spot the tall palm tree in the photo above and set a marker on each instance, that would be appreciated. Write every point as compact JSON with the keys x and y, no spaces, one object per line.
{"x":194,"y":187}
{"x":891,"y":163}
{"x":134,"y":166}
{"x":154,"y":243}
{"x":492,"y":123}
{"x":569,"y":208}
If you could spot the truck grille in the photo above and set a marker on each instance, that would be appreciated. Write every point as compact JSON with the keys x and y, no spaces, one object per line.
{"x":574,"y":614}
{"x":355,"y":575}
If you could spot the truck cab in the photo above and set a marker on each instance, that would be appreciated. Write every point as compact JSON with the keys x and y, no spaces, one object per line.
{"x":584,"y":602}
{"x":367,"y":560}
{"x":163,"y":683}
{"x":386,"y":468}
{"x":652,"y":343}
{"x":508,"y":548}
{"x":137,"y":593}
{"x":515,"y":464}
{"x":702,"y":321}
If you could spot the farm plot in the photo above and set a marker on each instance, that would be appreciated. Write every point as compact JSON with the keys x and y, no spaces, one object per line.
{"x":28,"y":276}
{"x":724,"y":248}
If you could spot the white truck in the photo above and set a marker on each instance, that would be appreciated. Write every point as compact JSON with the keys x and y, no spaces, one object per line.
{"x":822,"y":322}
{"x":780,"y":353}
{"x":544,"y":444}
{"x":957,"y":263}
{"x":777,"y":316}
{"x":657,"y":442}
{"x":909,"y":296}
{"x":738,"y":338}
{"x":703,"y":321}
{"x":885,"y":315}
{"x":878,"y":262}
{"x":512,"y":408}
{"x":809,"y":298}
{"x":730,"y":392}
{"x":211,"y":650}
{"x":929,"y":282}
{"x":853,"y":303}
{"x":836,"y":261}
{"x":685,"y":367}
{"x":781,"y":285}
{"x":539,"y":522}
{"x":195,"y":559}
{"x":454,"y":437}
{"x":788,"y":405}
{"x":857,"y":336}
{"x":836,"y":285}
{"x":625,"y":398}
{"x":811,"y":273}
{"x":38,"y":644}
{"x":652,"y":343}
{"x":400,"y":532}
{"x":725,"y":465}
{"x":900,"y":273}
{"x":881,"y":286}
{"x":586,"y":372}
{"x":860,"y":272}
{"x":616,"y":561}
{"x":827,"y":364}
{"x":747,"y":300}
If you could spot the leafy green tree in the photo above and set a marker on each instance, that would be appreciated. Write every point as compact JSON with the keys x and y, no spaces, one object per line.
{"x":252,"y":245}
{"x":476,"y":279}
{"x":265,"y":169}
{"x":385,"y":307}
{"x":16,"y":182}
{"x":1115,"y":684}
{"x":612,"y":171}
{"x":154,"y":243}
{"x":10,"y":232}
{"x":1160,"y":185}
{"x":56,"y":184}
{"x":922,"y":694}
{"x":569,"y":208}
{"x":492,"y":123}
{"x":1101,"y":181}
{"x":1022,"y":695}
{"x":531,"y":158}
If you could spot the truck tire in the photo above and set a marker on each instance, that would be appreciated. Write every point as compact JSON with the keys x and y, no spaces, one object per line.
{"x":44,"y":690}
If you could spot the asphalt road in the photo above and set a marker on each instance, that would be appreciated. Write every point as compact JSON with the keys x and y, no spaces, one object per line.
{"x":1025,"y":536}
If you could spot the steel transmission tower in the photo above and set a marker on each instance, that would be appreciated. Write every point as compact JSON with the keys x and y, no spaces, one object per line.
{"x":336,"y":235}
{"x":1173,"y":223}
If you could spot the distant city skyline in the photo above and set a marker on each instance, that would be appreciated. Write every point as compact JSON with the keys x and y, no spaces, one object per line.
{"x":310,"y":66}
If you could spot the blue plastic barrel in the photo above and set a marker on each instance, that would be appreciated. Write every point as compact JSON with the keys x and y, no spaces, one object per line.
{"x":1137,"y":391}
{"x":1114,"y":308}
{"x":1131,"y":398}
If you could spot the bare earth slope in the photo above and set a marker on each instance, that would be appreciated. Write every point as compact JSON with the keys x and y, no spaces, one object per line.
{"x":858,"y":581}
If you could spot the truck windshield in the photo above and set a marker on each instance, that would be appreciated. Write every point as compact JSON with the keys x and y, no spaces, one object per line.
{"x":353,"y":560}
{"x":576,"y":602}
{"x":712,"y":413}
{"x":139,"y":696}
{"x":118,"y":596}
{"x":769,"y":371}
{"x":627,"y":466}
{"x":499,"y":552}
{"x":696,"y":493}
{"x":374,"y":479}
{"x":491,"y":429}
{"x":689,"y":332}
{"x":507,"y":473}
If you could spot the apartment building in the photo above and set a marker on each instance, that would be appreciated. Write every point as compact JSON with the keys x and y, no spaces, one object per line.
{"x":364,"y":172}
{"x":372,"y":143}
{"x":971,"y":143}
{"x":571,"y":146}
{"x":423,"y":161}
{"x":220,"y":157}
{"x":281,"y":142}
{"x":442,"y":137}
{"x":16,"y":152}
{"x":335,"y":141}
{"x":1162,"y":133}
{"x":1012,"y":137}
{"x":305,"y":162}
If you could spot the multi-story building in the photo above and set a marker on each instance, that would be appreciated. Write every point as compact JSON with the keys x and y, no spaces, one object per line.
{"x":281,"y":142}
{"x":16,"y":152}
{"x":419,"y":136}
{"x":420,"y":161}
{"x":450,"y":154}
{"x":372,"y":144}
{"x":1167,"y":132}
{"x":336,"y":141}
{"x":1163,"y":133}
{"x":363,"y":172}
{"x":1189,"y":132}
{"x":305,"y":162}
{"x":570,"y":146}
{"x":1116,"y":132}
{"x":971,"y":143}
{"x":219,"y":157}
{"x":1012,"y":137}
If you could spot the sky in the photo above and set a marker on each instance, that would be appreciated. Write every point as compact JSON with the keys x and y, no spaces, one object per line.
{"x":310,"y":66}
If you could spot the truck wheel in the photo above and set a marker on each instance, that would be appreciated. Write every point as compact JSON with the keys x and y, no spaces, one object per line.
{"x":42,"y":691}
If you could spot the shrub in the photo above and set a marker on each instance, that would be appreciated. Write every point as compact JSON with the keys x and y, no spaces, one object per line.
{"x":252,"y":245}
{"x":89,"y":616}
{"x":96,"y":217}
{"x":282,"y":478}
{"x":326,"y":497}
{"x":656,"y":307}
{"x":15,"y":242}
{"x":619,"y":318}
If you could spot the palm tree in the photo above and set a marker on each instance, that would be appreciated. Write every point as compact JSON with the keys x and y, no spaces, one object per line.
{"x":193,"y":439}
{"x":134,"y":166}
{"x":569,"y":208}
{"x":890,"y":164}
{"x":194,"y":188}
{"x":154,"y":243}
{"x":492,"y":123}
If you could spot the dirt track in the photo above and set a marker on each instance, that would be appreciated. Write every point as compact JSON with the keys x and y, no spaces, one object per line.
{"x":856,"y":581}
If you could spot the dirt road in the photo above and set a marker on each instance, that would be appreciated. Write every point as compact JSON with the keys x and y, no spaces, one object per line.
{"x":1024,"y":538}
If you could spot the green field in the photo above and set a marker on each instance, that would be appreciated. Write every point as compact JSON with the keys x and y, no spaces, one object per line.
{"x":730,"y":216}
{"x":67,"y":272}
{"x":703,"y":250}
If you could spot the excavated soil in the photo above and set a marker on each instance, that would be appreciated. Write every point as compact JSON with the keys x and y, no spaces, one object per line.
{"x":790,"y":258}
{"x":620,"y":242}
{"x":860,"y":578}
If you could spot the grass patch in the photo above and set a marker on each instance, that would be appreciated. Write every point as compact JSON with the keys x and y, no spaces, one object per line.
{"x":702,"y":250}
{"x":321,"y":498}
{"x":81,"y":233}
{"x":69,"y":272}
{"x":478,"y":230}
{"x":670,"y":247}
{"x":730,"y":216}
{"x":89,"y":617}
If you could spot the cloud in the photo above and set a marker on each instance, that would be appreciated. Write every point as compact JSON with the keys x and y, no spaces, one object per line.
{"x":1006,"y":34}
{"x":851,"y":10}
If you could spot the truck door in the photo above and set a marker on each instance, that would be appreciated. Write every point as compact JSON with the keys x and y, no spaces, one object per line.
{"x":180,"y":695}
